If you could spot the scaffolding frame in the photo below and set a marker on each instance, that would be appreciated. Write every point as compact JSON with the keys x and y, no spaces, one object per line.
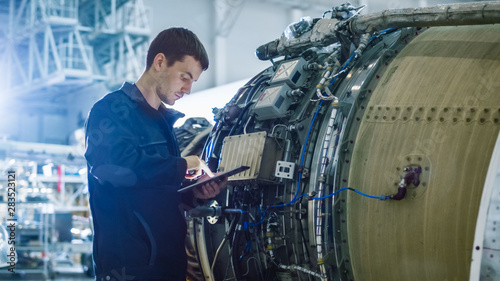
{"x":63,"y":43}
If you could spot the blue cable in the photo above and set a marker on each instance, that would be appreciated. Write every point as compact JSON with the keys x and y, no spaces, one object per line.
{"x":343,"y":67}
{"x":263,"y":215}
{"x":329,"y":195}
{"x":260,"y":211}
{"x":302,"y":160}
{"x":387,"y":30}
{"x":381,"y":197}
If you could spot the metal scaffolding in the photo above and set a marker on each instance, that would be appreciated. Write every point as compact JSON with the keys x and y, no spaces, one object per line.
{"x":60,"y":43}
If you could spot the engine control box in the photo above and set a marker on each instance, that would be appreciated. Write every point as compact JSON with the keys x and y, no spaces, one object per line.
{"x":256,"y":150}
{"x":291,"y":72}
{"x":273,"y":102}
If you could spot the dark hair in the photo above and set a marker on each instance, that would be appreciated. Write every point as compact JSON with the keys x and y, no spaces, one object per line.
{"x":175,"y":43}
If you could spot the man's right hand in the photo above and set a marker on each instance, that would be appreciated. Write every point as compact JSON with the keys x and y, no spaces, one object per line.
{"x":193,"y":166}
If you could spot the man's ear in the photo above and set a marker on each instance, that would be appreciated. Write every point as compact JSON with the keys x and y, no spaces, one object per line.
{"x":159,"y":61}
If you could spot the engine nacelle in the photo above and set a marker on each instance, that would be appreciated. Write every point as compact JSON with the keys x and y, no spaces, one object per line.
{"x":369,"y":156}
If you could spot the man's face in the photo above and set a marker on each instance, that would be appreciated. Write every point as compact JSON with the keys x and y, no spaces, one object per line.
{"x":176,"y":80}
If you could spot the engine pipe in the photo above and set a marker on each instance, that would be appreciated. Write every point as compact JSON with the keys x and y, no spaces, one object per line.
{"x":328,"y":31}
{"x":331,"y":66}
{"x":442,"y":15}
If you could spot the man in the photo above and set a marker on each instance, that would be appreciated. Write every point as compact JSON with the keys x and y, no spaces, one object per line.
{"x":135,"y":167}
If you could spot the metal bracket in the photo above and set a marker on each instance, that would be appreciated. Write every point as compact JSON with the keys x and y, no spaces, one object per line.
{"x":284,"y":169}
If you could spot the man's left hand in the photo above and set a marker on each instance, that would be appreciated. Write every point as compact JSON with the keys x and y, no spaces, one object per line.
{"x":209,"y":189}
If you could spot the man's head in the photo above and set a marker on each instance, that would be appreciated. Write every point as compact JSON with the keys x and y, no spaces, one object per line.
{"x":176,"y":43}
{"x":175,"y":60}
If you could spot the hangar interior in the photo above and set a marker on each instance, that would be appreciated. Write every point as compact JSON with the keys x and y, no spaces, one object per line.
{"x":58,"y":57}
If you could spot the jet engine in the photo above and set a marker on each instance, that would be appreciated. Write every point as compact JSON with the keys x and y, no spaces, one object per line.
{"x":372,"y":142}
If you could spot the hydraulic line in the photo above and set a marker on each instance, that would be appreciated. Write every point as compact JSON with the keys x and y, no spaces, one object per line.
{"x":218,"y":251}
{"x":305,"y":270}
{"x":321,"y":182}
{"x":330,"y":68}
{"x":272,"y":222}
{"x":228,"y":234}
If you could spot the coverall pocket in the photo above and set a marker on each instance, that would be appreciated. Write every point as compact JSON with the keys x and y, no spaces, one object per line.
{"x":151,"y":239}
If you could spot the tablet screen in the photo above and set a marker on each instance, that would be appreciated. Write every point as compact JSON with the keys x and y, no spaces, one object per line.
{"x":215,"y":178}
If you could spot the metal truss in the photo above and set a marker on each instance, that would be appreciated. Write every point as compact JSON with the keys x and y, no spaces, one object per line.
{"x":61,"y":43}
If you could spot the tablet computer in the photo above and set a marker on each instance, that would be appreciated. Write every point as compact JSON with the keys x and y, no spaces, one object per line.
{"x":218,"y":177}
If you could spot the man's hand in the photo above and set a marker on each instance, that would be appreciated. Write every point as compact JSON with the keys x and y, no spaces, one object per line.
{"x":193,"y":166}
{"x":209,"y":189}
